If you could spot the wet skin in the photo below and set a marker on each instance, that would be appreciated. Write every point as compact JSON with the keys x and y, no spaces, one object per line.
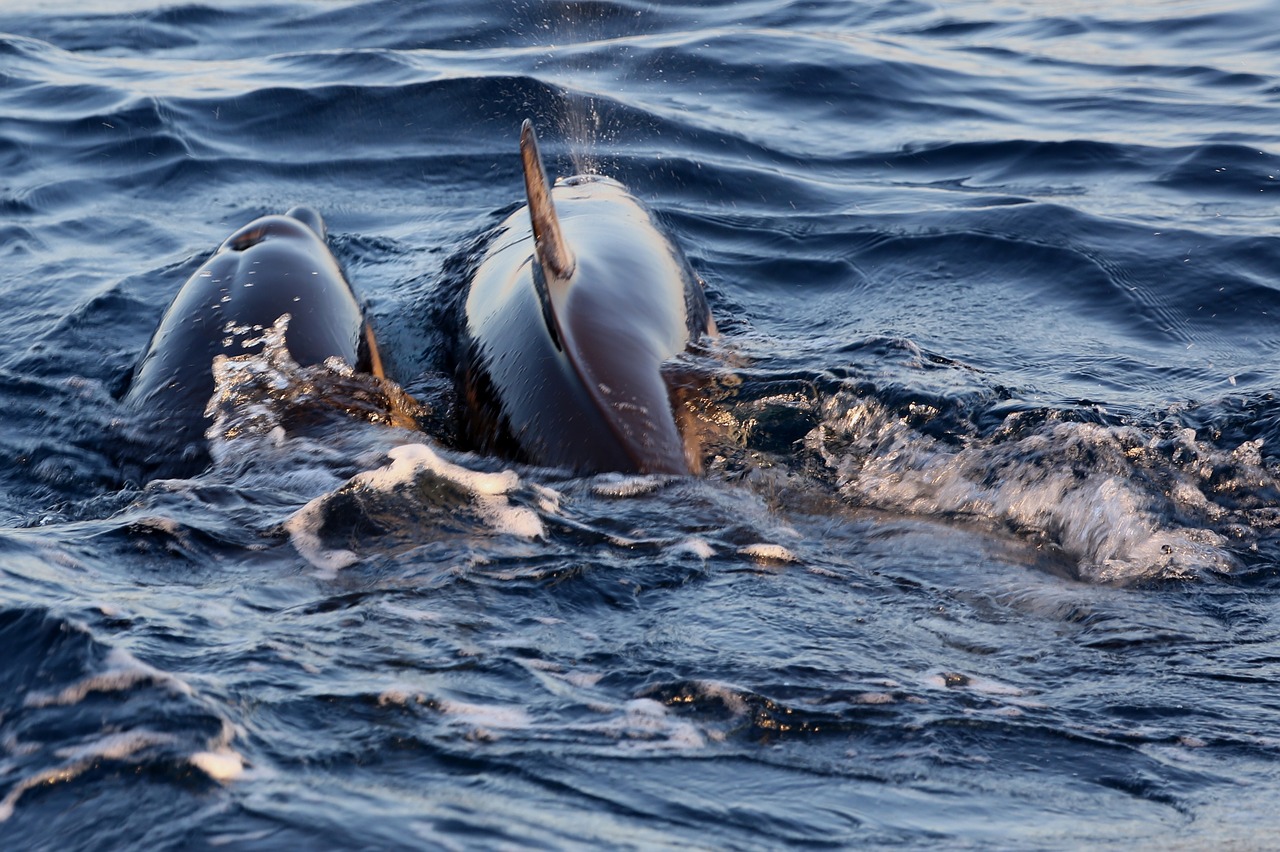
{"x":566,"y":333}
{"x":273,"y":266}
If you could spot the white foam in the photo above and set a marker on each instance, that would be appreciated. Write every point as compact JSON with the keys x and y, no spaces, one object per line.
{"x":123,"y":672}
{"x":624,"y":485}
{"x":542,"y":665}
{"x":114,"y":746}
{"x":409,"y":459}
{"x":649,"y":726}
{"x":304,"y":532}
{"x":548,"y":498}
{"x":1099,"y":492}
{"x":218,"y":760}
{"x":768,"y":553}
{"x":583,"y":680}
{"x":694,"y":546}
{"x":408,"y":462}
{"x":221,"y":765}
{"x":486,"y":715}
{"x":730,"y":695}
{"x":400,"y":695}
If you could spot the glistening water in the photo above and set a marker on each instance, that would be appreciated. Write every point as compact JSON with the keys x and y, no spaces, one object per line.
{"x":986,"y":550}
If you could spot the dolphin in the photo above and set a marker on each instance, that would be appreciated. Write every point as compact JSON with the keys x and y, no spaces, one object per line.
{"x":579,"y":301}
{"x":273,"y":266}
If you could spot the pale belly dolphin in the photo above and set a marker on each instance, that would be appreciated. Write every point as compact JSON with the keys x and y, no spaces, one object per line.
{"x":570,"y":317}
{"x":273,"y":266}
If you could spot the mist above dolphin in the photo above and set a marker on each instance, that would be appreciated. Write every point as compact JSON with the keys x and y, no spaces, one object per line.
{"x":571,"y":315}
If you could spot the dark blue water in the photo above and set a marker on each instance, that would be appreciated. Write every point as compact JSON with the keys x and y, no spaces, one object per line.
{"x":987,"y":548}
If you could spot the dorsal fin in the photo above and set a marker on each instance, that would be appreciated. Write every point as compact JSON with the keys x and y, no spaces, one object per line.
{"x":554,"y":254}
{"x":309,"y":217}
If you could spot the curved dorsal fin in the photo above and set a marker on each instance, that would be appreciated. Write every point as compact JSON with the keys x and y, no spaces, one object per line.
{"x":310,"y":217}
{"x":554,"y":254}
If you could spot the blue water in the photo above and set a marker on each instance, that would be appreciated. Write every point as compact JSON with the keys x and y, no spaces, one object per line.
{"x":986,"y":552}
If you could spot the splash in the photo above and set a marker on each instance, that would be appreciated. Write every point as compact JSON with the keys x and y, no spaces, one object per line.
{"x":1124,"y":503}
{"x":411,"y":498}
{"x":575,"y":36}
{"x":582,"y":123}
{"x":265,"y":396}
{"x":123,"y":672}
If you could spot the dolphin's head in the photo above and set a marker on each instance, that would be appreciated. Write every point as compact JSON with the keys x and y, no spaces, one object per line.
{"x":298,"y":222}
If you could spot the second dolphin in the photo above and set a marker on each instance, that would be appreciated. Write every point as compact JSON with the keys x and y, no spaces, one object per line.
{"x":275,"y":269}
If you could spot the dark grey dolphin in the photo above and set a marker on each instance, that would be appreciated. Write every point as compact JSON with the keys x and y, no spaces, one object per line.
{"x":273,"y":266}
{"x":567,"y":326}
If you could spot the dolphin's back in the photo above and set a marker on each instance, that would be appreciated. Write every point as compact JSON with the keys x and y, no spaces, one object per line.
{"x":567,"y":334}
{"x":273,"y":266}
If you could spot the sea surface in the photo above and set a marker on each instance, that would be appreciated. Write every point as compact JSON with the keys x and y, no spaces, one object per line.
{"x":987,"y":551}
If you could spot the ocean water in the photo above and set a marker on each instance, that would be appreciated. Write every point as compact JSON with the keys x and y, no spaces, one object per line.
{"x":986,"y":550}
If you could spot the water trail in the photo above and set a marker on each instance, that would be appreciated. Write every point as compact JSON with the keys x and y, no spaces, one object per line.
{"x":262,"y":394}
{"x":416,"y":498}
{"x":1125,"y":503}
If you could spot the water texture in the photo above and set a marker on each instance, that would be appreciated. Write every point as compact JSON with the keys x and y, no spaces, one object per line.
{"x":987,"y":548}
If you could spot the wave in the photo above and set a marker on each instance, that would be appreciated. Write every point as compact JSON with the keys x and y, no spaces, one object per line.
{"x":993,"y":426}
{"x":1125,"y":504}
{"x":76,"y":710}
